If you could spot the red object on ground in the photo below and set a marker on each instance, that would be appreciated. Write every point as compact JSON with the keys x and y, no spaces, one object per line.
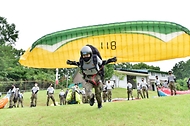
{"x":167,"y":91}
{"x":3,"y":102}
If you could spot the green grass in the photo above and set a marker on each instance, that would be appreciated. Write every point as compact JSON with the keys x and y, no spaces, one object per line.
{"x":162,"y":111}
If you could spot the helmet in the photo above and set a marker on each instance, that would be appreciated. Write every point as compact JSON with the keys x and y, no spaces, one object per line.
{"x":84,"y":51}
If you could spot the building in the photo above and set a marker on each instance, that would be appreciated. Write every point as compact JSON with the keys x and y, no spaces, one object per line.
{"x":134,"y":76}
{"x":131,"y":75}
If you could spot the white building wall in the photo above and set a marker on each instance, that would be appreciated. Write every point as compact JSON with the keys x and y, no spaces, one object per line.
{"x":139,"y":79}
{"x":120,"y":83}
{"x":149,"y":79}
{"x":161,"y":76}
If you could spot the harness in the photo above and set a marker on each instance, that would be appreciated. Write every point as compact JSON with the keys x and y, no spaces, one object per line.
{"x":92,"y":81}
{"x":95,"y":62}
{"x":100,"y":72}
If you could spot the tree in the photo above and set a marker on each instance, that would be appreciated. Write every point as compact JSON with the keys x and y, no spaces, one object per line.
{"x":181,"y":70}
{"x":8,"y":34}
{"x":136,"y":66}
{"x":123,"y":66}
{"x":9,"y":60}
{"x":145,"y":66}
{"x":108,"y":70}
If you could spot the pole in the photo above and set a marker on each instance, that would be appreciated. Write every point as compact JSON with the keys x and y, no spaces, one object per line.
{"x":56,"y":77}
{"x":67,"y":78}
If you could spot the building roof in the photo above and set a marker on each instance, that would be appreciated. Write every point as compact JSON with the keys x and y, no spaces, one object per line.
{"x":140,"y":72}
{"x":133,"y":72}
{"x":143,"y":70}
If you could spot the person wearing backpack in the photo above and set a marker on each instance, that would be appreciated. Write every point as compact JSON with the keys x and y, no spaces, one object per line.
{"x":91,"y":65}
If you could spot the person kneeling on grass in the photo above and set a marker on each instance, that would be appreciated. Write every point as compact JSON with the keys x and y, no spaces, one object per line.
{"x":73,"y":97}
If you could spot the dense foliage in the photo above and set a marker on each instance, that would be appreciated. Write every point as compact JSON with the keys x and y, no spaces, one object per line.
{"x":8,"y":33}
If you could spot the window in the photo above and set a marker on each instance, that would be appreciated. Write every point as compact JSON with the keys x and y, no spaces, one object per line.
{"x":163,"y":75}
{"x":153,"y":74}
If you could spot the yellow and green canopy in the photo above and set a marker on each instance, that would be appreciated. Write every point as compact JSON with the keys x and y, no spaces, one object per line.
{"x":133,"y":41}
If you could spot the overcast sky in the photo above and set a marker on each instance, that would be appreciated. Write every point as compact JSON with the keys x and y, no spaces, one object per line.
{"x":36,"y":18}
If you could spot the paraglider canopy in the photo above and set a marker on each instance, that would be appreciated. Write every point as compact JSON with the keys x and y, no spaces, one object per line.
{"x":133,"y":41}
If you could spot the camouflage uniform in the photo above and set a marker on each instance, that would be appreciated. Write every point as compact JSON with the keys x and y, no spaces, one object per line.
{"x":139,"y":92}
{"x":171,"y":80}
{"x":172,"y":88}
{"x":144,"y":86}
{"x":98,"y":88}
{"x":62,"y":97}
{"x":50,"y":94}
{"x":129,"y":90}
{"x":104,"y":93}
{"x":110,"y":86}
{"x":34,"y":97}
{"x":12,"y":91}
{"x":84,"y":98}
{"x":20,"y":99}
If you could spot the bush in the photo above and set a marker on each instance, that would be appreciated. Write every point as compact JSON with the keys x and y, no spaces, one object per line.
{"x":181,"y":85}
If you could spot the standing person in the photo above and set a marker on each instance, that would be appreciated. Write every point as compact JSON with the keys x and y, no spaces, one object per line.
{"x":144,"y":86}
{"x":34,"y":96}
{"x":139,"y":92}
{"x":171,"y":83}
{"x":158,"y":85}
{"x":110,"y":86}
{"x":66,"y":92}
{"x":20,"y":99}
{"x":15,"y":99}
{"x":12,"y":91}
{"x":84,"y":98}
{"x":50,"y":94}
{"x":62,"y":97}
{"x":188,"y":83}
{"x":91,"y":65}
{"x":104,"y":94}
{"x":129,"y":90}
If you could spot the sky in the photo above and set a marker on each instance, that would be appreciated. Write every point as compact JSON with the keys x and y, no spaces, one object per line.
{"x":36,"y":18}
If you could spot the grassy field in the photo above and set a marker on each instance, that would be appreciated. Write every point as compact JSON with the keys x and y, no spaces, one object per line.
{"x":162,"y":111}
